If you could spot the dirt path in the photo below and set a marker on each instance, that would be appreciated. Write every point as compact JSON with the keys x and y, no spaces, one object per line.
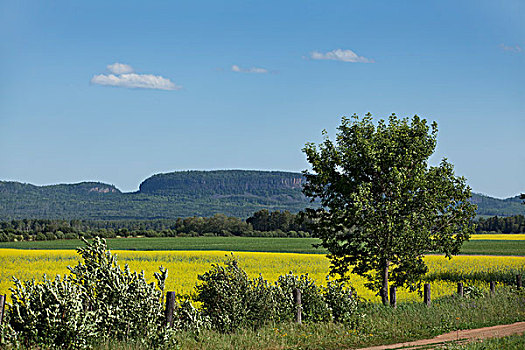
{"x":458,"y":336}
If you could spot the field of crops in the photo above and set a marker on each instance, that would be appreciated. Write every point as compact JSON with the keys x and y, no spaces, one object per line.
{"x":184,"y":266}
{"x":486,"y":244}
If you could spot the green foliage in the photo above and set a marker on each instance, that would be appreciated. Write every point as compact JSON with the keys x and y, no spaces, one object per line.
{"x":236,"y":193}
{"x":378,"y":325}
{"x":473,"y":292}
{"x":182,"y":194}
{"x":230,"y":300}
{"x":50,"y":313}
{"x":187,"y":318}
{"x":314,"y":307}
{"x":500,"y":207}
{"x":383,"y":206}
{"x":224,"y":294}
{"x":511,"y":224}
{"x":341,"y":301}
{"x":274,"y":224}
{"x":126,"y":305}
{"x":97,"y":302}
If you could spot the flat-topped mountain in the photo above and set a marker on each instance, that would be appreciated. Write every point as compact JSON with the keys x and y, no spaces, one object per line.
{"x":179,"y":194}
{"x":223,"y":183}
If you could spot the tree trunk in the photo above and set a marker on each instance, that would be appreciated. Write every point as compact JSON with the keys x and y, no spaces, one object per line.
{"x":384,"y":288}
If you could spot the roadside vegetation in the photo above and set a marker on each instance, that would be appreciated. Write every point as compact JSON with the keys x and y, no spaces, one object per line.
{"x":227,"y":310}
{"x":514,"y":342}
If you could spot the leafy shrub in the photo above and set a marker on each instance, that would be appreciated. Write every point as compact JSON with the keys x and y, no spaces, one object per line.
{"x":224,"y":294}
{"x":40,"y":237}
{"x":51,"y":313}
{"x":97,"y":302}
{"x":50,"y":236}
{"x":473,"y":292}
{"x":126,"y":305}
{"x":71,"y":235}
{"x":231,"y":300}
{"x":341,"y":301}
{"x":312,"y":301}
{"x":187,"y":318}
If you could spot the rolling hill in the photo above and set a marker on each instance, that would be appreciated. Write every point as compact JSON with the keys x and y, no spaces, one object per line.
{"x":180,"y":194}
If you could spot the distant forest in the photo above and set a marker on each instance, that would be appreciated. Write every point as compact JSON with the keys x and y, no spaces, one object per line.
{"x":261,"y":224}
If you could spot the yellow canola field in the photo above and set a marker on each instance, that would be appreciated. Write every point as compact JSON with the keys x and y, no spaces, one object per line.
{"x":499,"y":237}
{"x":184,"y":266}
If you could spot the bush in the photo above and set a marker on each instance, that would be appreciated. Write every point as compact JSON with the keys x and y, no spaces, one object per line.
{"x":231,"y":300}
{"x":71,"y":235}
{"x":40,"y":236}
{"x":341,"y":302}
{"x":224,"y":296}
{"x":97,"y":302}
{"x":313,"y":304}
{"x":473,"y":292}
{"x":50,"y":313}
{"x":187,"y":318}
{"x":50,"y":236}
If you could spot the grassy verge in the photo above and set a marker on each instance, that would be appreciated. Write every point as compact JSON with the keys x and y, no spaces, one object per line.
{"x":515,"y":342}
{"x":259,"y":244}
{"x":377,"y":325}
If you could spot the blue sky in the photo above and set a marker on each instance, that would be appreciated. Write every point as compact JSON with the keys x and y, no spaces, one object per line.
{"x":245,"y":84}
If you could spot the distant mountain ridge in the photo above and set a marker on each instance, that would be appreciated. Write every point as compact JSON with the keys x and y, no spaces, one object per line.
{"x":180,"y":194}
{"x":222,"y":182}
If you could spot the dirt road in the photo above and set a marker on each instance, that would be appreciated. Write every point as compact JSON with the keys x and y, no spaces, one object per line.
{"x":458,"y":336}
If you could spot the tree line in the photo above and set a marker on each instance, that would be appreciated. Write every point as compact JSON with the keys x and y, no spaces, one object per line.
{"x":263,"y":223}
{"x":495,"y":224}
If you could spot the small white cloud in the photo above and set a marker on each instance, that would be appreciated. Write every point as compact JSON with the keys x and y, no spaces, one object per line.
{"x":123,"y":76}
{"x":238,"y":69}
{"x":120,"y":68}
{"x":515,"y":48}
{"x":340,"y":55}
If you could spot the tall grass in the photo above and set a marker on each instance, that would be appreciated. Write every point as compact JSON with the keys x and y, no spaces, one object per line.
{"x":377,"y":325}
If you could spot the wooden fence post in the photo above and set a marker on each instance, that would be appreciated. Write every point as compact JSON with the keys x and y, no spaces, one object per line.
{"x":426,"y":296}
{"x":393,"y":299}
{"x":299,"y":309}
{"x":170,"y":306}
{"x":518,"y":281}
{"x":492,"y":288}
{"x":460,"y":289}
{"x":2,"y":307}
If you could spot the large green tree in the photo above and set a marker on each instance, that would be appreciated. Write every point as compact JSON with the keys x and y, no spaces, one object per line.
{"x":383,"y":206}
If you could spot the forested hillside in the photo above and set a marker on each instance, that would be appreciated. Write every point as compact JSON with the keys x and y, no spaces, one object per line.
{"x":180,"y":194}
{"x":238,"y":193}
{"x":489,"y":206}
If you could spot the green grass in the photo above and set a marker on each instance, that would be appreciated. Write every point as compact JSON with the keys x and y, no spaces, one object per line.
{"x":514,"y":342}
{"x":494,"y":247}
{"x":259,"y":244}
{"x":378,"y":325}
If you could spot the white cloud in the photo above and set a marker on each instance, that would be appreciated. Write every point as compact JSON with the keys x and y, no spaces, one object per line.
{"x":340,"y":55}
{"x":123,"y":76}
{"x":120,"y":68}
{"x":236,"y":68}
{"x":516,"y":48}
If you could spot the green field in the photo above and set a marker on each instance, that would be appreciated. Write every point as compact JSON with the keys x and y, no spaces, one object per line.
{"x":249,"y":244}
